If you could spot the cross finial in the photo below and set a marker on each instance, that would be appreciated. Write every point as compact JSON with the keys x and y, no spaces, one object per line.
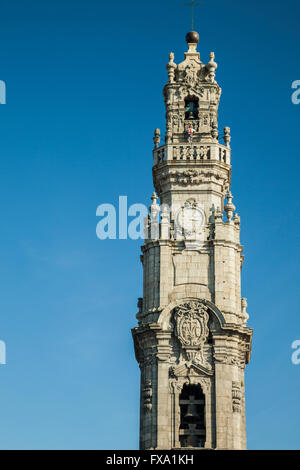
{"x":192,"y":4}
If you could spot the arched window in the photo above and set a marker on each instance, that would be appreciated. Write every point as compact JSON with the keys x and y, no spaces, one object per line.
{"x":191,"y":108}
{"x":192,"y":431}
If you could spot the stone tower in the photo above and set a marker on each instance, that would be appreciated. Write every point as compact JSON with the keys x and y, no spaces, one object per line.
{"x":192,"y":342}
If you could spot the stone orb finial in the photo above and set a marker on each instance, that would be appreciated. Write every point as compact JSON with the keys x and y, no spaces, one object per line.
{"x":192,"y":37}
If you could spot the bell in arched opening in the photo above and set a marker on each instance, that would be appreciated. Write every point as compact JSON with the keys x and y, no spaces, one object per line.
{"x":191,"y":108}
{"x":192,"y":431}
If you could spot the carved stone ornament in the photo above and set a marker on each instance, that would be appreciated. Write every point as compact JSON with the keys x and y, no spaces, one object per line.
{"x":191,"y":84}
{"x":191,"y":323}
{"x":188,"y":177}
{"x":236,"y":397}
{"x":147,"y":396}
{"x":190,"y":74}
{"x":176,"y":385}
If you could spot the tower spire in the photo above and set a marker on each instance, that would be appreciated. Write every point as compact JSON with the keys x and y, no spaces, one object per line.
{"x":192,"y":4}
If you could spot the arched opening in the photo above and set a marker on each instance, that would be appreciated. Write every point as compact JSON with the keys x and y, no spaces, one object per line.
{"x":192,"y":432}
{"x":191,"y":107}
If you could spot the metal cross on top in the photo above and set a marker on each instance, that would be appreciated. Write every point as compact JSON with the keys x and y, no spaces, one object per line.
{"x":192,"y":4}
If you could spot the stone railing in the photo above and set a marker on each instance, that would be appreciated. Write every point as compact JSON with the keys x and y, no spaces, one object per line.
{"x":192,"y":152}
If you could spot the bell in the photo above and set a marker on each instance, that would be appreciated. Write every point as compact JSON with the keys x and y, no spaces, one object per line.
{"x":191,"y":441}
{"x":191,"y":412}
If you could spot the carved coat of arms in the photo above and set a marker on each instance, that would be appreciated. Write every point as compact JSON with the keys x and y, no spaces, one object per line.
{"x":191,"y":323}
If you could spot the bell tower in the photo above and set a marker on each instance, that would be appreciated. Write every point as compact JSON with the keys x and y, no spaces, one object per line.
{"x":192,"y":341}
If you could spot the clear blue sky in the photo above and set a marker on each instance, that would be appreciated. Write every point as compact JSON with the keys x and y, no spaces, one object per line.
{"x":84,"y":94}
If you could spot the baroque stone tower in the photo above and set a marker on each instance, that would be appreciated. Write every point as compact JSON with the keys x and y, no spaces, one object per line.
{"x":192,"y":341}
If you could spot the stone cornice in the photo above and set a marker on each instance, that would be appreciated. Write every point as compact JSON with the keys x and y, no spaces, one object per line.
{"x":151,"y":336}
{"x":227,"y":243}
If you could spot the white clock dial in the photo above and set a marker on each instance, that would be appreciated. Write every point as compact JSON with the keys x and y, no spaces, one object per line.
{"x":190,"y":219}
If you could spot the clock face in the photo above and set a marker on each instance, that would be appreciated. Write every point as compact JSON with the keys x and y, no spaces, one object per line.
{"x":190,"y":219}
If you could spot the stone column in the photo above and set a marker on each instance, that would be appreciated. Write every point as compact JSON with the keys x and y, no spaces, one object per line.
{"x":163,"y":394}
{"x":208,"y":416}
{"x":163,"y":429}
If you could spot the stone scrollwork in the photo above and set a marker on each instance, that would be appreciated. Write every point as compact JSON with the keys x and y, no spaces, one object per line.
{"x":191,"y":323}
{"x":189,"y":176}
{"x":172,"y":373}
{"x":203,"y":381}
{"x":176,"y":384}
{"x":228,"y":359}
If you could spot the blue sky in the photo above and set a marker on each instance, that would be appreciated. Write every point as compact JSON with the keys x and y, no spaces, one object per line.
{"x":84,"y":94}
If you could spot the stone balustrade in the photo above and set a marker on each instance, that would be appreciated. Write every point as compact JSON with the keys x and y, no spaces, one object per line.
{"x":193,"y":152}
